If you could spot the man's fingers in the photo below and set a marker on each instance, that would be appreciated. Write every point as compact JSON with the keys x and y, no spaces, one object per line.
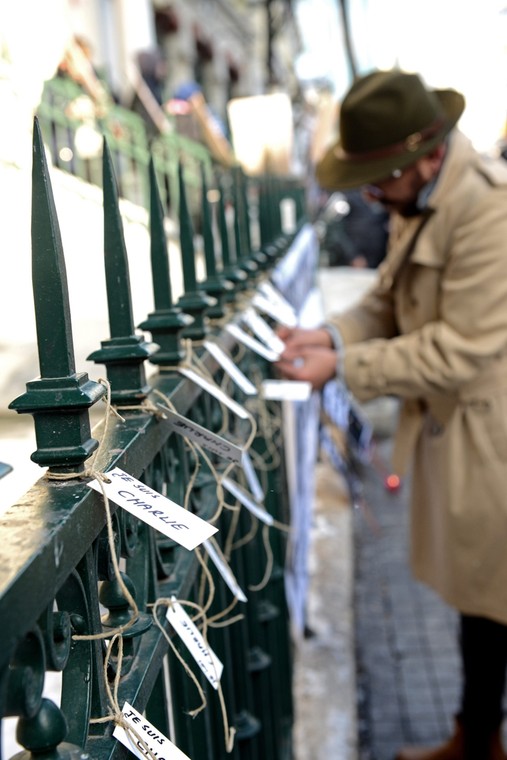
{"x":289,"y":370}
{"x":284,"y":332}
{"x":314,"y":364}
{"x":292,"y":352}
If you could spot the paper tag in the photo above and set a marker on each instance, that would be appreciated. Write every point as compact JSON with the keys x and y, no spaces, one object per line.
{"x":276,"y":298}
{"x":203,"y":436}
{"x":195,"y":643}
{"x":263,"y":331}
{"x":155,"y":510}
{"x":254,"y":345}
{"x":159,"y":745}
{"x":286,"y":390}
{"x":225,"y":571}
{"x":228,"y":365}
{"x":215,"y":391}
{"x":247,"y":500}
{"x":277,"y":312}
{"x":251,"y":476}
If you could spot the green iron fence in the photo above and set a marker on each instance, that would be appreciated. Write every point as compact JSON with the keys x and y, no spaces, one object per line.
{"x":86,"y":588}
{"x":72,"y":126}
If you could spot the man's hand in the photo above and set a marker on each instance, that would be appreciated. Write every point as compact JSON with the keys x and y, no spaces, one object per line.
{"x":295,"y":337}
{"x":314,"y":364}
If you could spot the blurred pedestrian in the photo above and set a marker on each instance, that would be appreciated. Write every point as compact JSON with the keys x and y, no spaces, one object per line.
{"x":433,"y":332}
{"x":356,"y":237}
{"x":148,"y":96}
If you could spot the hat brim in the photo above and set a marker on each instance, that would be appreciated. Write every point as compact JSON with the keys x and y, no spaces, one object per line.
{"x":335,"y":172}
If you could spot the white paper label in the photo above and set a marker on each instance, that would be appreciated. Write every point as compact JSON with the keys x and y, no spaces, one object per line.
{"x":155,"y":510}
{"x":160,"y":747}
{"x":247,"y":500}
{"x":215,"y":391}
{"x":203,"y":436}
{"x":276,"y":298}
{"x":281,"y":314}
{"x":228,"y":365}
{"x":251,"y":476}
{"x":286,"y":390}
{"x":263,"y":331}
{"x":225,"y":571}
{"x":195,"y":643}
{"x":254,"y":345}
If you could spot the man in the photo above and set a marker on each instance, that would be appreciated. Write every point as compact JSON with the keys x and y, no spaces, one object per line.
{"x":433,"y":332}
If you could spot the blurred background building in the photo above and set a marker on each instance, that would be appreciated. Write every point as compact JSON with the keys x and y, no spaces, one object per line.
{"x":153,"y":56}
{"x":255,"y":82}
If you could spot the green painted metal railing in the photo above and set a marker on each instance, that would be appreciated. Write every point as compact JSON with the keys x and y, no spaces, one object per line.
{"x":72,"y":126}
{"x":85,"y":587}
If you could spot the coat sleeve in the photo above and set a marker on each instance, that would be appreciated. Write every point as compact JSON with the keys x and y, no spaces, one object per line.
{"x":373,"y":317}
{"x":469,"y":332}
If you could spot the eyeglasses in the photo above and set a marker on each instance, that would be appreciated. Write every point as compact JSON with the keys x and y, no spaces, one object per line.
{"x":375,"y":190}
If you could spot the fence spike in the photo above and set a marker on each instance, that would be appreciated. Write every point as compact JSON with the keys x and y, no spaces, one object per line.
{"x":215,"y":283}
{"x":59,"y":400}
{"x":125,"y":352}
{"x":231,"y":270}
{"x":194,"y":301}
{"x":167,"y":322}
{"x":257,"y":256}
{"x":242,"y":252}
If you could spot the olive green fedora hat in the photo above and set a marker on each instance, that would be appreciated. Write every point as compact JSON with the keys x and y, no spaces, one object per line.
{"x":388,"y":120}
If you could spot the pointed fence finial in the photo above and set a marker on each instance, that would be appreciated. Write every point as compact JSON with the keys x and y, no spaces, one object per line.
{"x":167,"y":322}
{"x":59,"y":400}
{"x":193,"y":301}
{"x":215,"y":283}
{"x":231,"y":271}
{"x":125,"y":352}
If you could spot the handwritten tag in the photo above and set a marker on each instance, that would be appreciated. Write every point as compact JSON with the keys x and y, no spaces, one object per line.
{"x":159,"y":745}
{"x":195,"y":643}
{"x":284,"y":316}
{"x":251,"y":476}
{"x":225,"y":571}
{"x":215,"y":391}
{"x":228,"y":365}
{"x":251,"y":343}
{"x":263,"y":331}
{"x":286,"y":390}
{"x":155,"y":510}
{"x":203,"y":436}
{"x":247,"y":500}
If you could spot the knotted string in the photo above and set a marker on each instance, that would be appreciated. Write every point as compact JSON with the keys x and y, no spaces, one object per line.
{"x":115,"y":711}
{"x":229,"y":732}
{"x":101,"y":477}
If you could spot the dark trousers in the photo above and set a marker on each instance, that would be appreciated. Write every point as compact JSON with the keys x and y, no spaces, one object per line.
{"x":484,"y":656}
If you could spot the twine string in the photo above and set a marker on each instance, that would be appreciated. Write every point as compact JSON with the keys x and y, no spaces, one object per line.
{"x":101,"y":477}
{"x":229,"y":731}
{"x":115,"y":711}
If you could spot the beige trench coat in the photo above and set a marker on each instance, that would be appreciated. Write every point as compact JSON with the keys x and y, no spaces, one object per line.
{"x":433,"y":332}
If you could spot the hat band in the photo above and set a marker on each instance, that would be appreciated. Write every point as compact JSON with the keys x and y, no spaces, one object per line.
{"x":410,"y":144}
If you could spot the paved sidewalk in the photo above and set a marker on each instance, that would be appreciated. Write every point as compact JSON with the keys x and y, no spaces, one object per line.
{"x":408,"y":672}
{"x":324,"y":673}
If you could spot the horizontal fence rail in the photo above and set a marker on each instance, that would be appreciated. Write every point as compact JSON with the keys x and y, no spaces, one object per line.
{"x":92,"y":591}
